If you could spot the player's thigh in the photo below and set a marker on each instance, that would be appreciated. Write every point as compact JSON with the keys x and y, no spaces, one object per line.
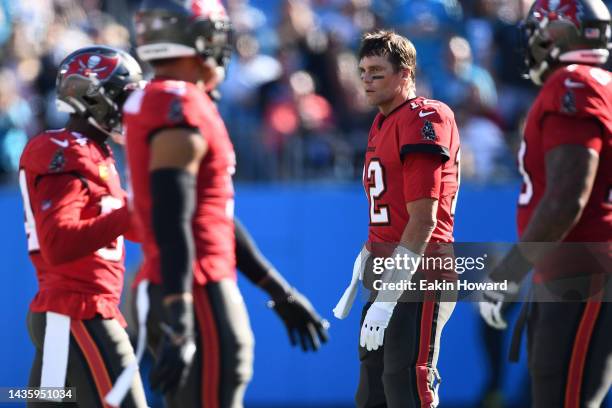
{"x":551,"y":333}
{"x":223,"y":364}
{"x":370,"y":389}
{"x":117,"y":353}
{"x":234,"y":330}
{"x":36,"y":328}
{"x":596,"y":375}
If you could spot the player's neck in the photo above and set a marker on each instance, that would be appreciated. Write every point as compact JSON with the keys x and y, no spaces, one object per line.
{"x":82,"y":126}
{"x":388,"y":107}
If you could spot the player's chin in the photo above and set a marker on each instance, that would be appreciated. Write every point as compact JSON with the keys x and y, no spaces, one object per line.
{"x":372,"y":98}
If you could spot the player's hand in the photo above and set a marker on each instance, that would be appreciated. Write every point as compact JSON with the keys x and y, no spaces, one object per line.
{"x":176,"y":349}
{"x":374,"y":325}
{"x":303,"y":323}
{"x":494,"y":303}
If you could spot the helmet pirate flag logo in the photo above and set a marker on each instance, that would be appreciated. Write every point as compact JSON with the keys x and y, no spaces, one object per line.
{"x":559,"y":10}
{"x":208,"y":8}
{"x":91,"y":64}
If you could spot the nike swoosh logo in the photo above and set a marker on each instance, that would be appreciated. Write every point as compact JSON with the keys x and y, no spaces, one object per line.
{"x":423,"y":114}
{"x":60,"y":143}
{"x":571,"y":84}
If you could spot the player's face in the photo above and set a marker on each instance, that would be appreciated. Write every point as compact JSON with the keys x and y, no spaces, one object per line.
{"x":380,"y":82}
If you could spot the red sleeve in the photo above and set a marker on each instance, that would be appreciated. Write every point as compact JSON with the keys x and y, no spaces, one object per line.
{"x":422,"y":173}
{"x":171,"y":109}
{"x":431,"y":134}
{"x":558,"y":129}
{"x":62,"y":235}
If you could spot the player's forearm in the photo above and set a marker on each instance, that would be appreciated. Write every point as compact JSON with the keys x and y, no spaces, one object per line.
{"x":417,"y":233}
{"x":249,"y":259}
{"x":251,"y":262}
{"x":173,"y":206}
{"x":65,"y":240}
{"x":552,"y":220}
{"x":570,"y":175}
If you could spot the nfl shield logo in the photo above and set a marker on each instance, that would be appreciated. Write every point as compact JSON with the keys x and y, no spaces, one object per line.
{"x":428,"y":131}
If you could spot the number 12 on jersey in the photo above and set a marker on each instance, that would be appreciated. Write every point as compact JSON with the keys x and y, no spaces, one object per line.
{"x":375,"y":173}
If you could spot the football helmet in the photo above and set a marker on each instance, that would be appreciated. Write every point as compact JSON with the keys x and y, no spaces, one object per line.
{"x":182,"y":28}
{"x":559,"y":32}
{"x":94,"y":82}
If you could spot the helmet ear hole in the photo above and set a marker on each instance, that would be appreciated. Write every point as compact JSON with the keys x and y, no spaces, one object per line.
{"x":90,"y":101}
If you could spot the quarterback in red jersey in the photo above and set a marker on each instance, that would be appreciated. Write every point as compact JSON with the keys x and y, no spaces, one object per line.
{"x":76,"y":216}
{"x":565,"y":159}
{"x":411,"y":179}
{"x":181,"y":164}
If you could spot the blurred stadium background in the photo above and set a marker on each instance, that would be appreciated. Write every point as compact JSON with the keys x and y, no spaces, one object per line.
{"x":293,"y":105}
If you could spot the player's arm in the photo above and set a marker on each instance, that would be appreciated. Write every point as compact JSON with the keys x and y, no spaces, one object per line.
{"x":422,"y":181}
{"x":175,"y":156}
{"x":303,"y":323}
{"x":421,"y":224}
{"x":570,"y":175}
{"x":63,"y":235}
{"x":572,"y":156}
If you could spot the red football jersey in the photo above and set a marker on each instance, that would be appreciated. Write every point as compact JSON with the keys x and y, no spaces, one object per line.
{"x":169,"y":104}
{"x":574,"y":94}
{"x":75,"y":214}
{"x":412,"y":153}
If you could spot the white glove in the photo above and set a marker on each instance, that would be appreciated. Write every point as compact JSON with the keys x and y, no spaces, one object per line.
{"x":379,"y":314}
{"x":345,"y":303}
{"x":492,"y":305}
{"x":492,"y":314}
{"x":376,"y":321}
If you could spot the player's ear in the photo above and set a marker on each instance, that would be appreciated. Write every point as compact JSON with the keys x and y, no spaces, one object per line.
{"x":405,"y":73}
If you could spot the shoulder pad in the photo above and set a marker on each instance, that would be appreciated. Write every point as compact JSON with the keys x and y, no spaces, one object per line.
{"x":54,"y":152}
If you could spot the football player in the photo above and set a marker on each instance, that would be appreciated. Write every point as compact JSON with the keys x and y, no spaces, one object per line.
{"x":75,"y":219}
{"x":565,"y":159}
{"x":411,"y":182}
{"x":181,"y":163}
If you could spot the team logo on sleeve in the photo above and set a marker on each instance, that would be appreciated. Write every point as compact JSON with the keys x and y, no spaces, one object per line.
{"x":428,"y":131}
{"x":175,"y":111}
{"x":57,"y":162}
{"x":568,"y":104}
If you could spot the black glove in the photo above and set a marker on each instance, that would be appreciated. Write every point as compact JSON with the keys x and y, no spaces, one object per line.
{"x":176,"y":349}
{"x":302,"y":321}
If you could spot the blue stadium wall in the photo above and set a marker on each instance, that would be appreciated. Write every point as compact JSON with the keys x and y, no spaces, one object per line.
{"x":312,"y":234}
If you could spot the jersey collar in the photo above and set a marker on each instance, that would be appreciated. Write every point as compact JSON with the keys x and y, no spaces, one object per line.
{"x":397,"y":108}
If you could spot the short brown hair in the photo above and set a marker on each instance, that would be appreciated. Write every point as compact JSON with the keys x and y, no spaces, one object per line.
{"x":399,"y":50}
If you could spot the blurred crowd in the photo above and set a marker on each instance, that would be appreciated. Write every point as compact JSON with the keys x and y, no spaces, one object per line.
{"x":292,"y":99}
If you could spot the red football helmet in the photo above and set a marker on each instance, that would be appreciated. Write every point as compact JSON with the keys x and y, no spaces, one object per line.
{"x":560,"y":32}
{"x":94,"y":82}
{"x":171,"y":29}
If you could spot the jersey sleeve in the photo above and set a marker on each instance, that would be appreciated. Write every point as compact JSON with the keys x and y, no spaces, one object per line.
{"x":58,"y":201}
{"x":558,"y":129}
{"x":168,"y":109}
{"x":582,"y":94}
{"x":429,"y":133}
{"x":422,"y":175}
